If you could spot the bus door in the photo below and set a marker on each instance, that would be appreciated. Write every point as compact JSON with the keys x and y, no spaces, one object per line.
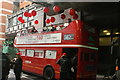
{"x":72,"y":54}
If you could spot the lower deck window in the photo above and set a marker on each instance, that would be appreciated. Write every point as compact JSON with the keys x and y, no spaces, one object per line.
{"x":93,"y":57}
{"x":88,"y":57}
{"x":30,"y":53}
{"x":50,"y":54}
{"x":39,"y":53}
{"x":22,"y":51}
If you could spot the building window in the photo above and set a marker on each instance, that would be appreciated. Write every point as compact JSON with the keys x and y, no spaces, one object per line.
{"x":20,"y":15}
{"x":27,"y":5}
{"x":14,"y":20}
{"x":25,"y":18}
{"x":10,"y":22}
{"x":22,"y":1}
{"x":21,"y":8}
{"x":32,"y":17}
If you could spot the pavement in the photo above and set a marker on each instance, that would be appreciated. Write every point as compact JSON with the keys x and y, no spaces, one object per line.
{"x":24,"y":76}
{"x":11,"y":76}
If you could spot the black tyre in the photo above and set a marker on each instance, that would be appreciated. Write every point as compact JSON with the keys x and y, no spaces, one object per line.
{"x":49,"y":73}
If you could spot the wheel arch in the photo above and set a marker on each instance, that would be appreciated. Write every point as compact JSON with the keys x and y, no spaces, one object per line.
{"x":48,"y":66}
{"x":51,"y":68}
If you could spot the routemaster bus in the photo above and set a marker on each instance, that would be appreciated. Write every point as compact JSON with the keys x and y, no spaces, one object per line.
{"x":40,"y":51}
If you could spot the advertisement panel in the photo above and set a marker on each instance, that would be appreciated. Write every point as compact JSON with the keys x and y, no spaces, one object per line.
{"x":36,"y":39}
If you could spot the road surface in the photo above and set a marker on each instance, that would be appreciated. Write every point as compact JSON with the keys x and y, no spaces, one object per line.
{"x":24,"y":76}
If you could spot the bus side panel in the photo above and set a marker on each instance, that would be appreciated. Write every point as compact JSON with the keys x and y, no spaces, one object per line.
{"x":87,"y":64}
{"x":79,"y":65}
{"x":37,"y":65}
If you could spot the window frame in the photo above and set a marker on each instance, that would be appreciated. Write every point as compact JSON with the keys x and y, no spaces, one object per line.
{"x":30,"y":55}
{"x":39,"y":54}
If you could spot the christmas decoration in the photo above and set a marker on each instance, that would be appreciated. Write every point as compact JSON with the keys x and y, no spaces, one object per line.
{"x":56,"y":8}
{"x":34,"y":13}
{"x":63,"y":16}
{"x":71,"y":11}
{"x":52,"y":19}
{"x":26,"y":14}
{"x":19,"y":18}
{"x":46,"y":10}
{"x":75,"y":16}
{"x":36,"y":22}
{"x":47,"y":21}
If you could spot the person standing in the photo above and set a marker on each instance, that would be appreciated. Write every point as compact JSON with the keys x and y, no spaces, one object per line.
{"x":74,"y":64}
{"x":65,"y":67}
{"x":5,"y":66}
{"x":18,"y":66}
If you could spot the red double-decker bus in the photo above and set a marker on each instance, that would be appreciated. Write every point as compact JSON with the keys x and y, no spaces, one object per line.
{"x":40,"y":51}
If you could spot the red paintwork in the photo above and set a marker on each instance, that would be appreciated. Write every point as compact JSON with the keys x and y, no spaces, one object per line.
{"x":80,"y":38}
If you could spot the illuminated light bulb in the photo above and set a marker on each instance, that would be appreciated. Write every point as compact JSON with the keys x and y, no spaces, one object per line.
{"x":49,"y":27}
{"x":58,"y":28}
{"x":117,"y":33}
{"x":66,"y":24}
{"x":105,"y":31}
{"x":108,"y":33}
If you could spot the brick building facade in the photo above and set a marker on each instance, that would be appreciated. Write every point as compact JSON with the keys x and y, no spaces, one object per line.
{"x":6,"y":8}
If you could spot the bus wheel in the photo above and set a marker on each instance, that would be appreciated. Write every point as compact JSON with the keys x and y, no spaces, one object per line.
{"x":49,"y":73}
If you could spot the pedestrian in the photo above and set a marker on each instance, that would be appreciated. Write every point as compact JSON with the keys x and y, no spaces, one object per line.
{"x":65,"y":67}
{"x":18,"y":66}
{"x":5,"y":66}
{"x":74,"y":65}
